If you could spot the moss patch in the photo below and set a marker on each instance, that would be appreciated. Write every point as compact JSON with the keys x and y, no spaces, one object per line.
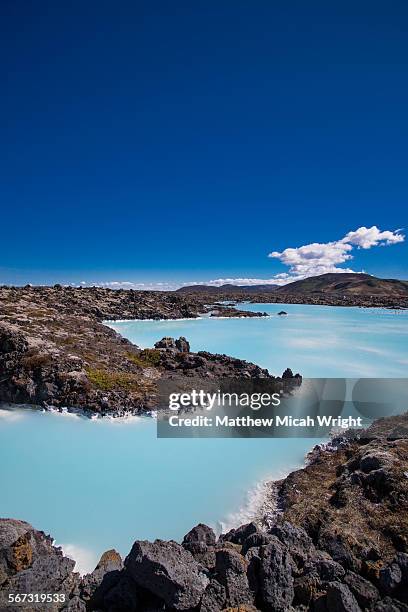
{"x":147,"y":357}
{"x":107,"y":381}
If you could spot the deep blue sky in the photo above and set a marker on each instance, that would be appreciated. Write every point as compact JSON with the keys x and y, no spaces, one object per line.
{"x":186,"y":140}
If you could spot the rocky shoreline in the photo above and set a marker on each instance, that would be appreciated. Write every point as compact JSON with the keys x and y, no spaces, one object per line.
{"x":55,"y":350}
{"x":338,"y":541}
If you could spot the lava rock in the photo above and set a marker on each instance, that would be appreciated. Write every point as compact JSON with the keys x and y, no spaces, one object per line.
{"x":168,"y":571}
{"x":390,"y":577}
{"x":239,"y":535}
{"x":166,"y":343}
{"x":105,"y":576}
{"x":214,"y":597}
{"x":230,"y":570}
{"x":327,"y":569}
{"x":341,"y":599}
{"x":199,"y":534}
{"x":363,"y":590}
{"x":255,"y":540}
{"x":296,"y":539}
{"x":182,"y":345}
{"x":30,"y":564}
{"x":390,"y":605}
{"x":275,"y":580}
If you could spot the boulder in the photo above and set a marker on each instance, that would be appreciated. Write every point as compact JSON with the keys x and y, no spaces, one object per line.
{"x":363,"y":590}
{"x":166,"y":343}
{"x":124,"y":596}
{"x":105,"y":576}
{"x":200,"y":541}
{"x":230,"y":570}
{"x":199,"y":534}
{"x":275,"y":580}
{"x":374,"y":459}
{"x":168,"y":571}
{"x":327,"y":569}
{"x":338,"y":548}
{"x":341,"y":599}
{"x":182,"y":345}
{"x":390,"y":577}
{"x":239,"y":535}
{"x":30,"y":564}
{"x":306,"y":587}
{"x":390,"y":605}
{"x":402,"y":560}
{"x":256,"y":539}
{"x":214,"y":597}
{"x":296,"y":539}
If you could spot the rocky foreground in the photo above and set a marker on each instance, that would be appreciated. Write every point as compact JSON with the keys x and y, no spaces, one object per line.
{"x":56,"y":351}
{"x":338,"y":542}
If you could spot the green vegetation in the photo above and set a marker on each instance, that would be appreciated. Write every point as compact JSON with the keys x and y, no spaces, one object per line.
{"x":147,"y":357}
{"x":107,"y":381}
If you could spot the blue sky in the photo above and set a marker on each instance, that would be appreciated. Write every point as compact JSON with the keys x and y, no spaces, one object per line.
{"x":185,"y":141}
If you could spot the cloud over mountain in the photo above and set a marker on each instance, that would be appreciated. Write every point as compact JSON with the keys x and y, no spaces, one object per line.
{"x":304,"y":261}
{"x":319,"y":258}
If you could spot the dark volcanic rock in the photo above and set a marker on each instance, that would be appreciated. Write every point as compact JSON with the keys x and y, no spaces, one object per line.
{"x":105,"y":576}
{"x":214,"y":597}
{"x":390,"y":577}
{"x":231,"y":572}
{"x":363,"y":590}
{"x":30,"y":564}
{"x":169,"y":571}
{"x":182,"y":345}
{"x":275,"y":580}
{"x":165,"y":343}
{"x":239,"y":535}
{"x":341,"y":599}
{"x":390,"y":605}
{"x":199,"y":539}
{"x":296,"y":539}
{"x":327,"y":569}
{"x":56,"y":351}
{"x":200,"y":534}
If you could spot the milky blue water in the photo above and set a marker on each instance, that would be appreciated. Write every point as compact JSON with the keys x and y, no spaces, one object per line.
{"x":317,"y":341}
{"x":95,"y":485}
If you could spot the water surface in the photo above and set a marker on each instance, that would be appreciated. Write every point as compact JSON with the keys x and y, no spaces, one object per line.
{"x":317,"y":341}
{"x":95,"y":485}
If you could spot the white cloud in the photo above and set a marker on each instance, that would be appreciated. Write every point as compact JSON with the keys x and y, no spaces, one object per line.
{"x":320,"y":258}
{"x":217,"y":282}
{"x":307,"y":260}
{"x":367,"y":237}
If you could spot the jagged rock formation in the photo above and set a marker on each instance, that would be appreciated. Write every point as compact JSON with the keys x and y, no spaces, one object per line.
{"x":100,"y":371}
{"x":338,"y":542}
{"x":55,"y":351}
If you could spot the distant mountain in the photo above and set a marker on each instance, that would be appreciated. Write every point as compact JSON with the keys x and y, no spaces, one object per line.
{"x":228,"y":288}
{"x":346,"y":283}
{"x":342,"y":283}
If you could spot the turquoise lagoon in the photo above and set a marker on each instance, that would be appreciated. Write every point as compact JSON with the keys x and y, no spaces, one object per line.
{"x":100,"y":484}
